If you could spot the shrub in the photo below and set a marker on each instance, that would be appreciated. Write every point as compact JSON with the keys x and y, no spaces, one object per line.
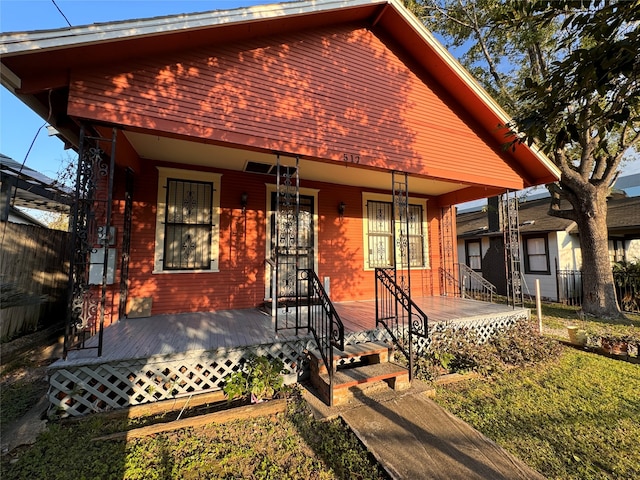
{"x":460,"y":350}
{"x":259,"y":378}
{"x":521,"y":344}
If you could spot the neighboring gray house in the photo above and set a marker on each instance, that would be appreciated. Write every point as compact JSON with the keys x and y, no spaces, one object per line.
{"x":548,"y":243}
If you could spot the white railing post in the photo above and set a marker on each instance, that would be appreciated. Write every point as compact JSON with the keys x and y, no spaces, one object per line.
{"x":538,"y":305}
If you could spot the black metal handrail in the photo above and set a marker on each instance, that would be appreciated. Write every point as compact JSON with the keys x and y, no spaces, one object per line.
{"x":473,"y":285}
{"x":324,"y":322}
{"x":399,"y":315}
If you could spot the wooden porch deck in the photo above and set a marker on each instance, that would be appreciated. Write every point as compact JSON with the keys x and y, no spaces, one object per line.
{"x":172,"y":334}
{"x":166,"y":356}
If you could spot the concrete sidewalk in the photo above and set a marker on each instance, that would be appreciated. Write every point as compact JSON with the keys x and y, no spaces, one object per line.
{"x":414,"y":438}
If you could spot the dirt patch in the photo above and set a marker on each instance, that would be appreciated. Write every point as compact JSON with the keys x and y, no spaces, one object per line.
{"x":23,"y":389}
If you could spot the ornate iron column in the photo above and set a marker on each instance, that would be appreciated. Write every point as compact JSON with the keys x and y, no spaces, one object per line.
{"x":448,"y":274}
{"x":400,"y":228}
{"x":126,"y":244}
{"x":511,"y":232}
{"x":91,"y":236}
{"x":287,"y":252}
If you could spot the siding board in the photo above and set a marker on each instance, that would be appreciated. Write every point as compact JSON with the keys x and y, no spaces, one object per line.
{"x":333,"y":90}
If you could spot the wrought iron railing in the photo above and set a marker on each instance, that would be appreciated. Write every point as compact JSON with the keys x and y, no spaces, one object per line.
{"x":627,"y":285}
{"x":569,"y":285}
{"x":399,"y":315}
{"x":324,"y":322}
{"x":473,"y":285}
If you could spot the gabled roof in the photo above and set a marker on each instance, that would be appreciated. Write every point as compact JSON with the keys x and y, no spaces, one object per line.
{"x":623,"y":215}
{"x":623,"y":218}
{"x":18,"y":216}
{"x":35,"y":62}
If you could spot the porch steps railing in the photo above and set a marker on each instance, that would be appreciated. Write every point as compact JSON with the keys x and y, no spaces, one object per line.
{"x":353,"y":367}
{"x":467,"y":283}
{"x":400,"y":316}
{"x":335,"y":367}
{"x":324,"y":323}
{"x":475,"y":286}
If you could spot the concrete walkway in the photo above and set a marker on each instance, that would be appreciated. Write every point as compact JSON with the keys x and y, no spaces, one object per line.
{"x":414,"y":438}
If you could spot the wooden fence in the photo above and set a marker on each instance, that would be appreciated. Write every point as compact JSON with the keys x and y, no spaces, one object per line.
{"x":35,"y":262}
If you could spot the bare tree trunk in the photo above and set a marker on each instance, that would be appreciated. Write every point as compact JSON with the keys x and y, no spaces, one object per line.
{"x":599,"y":294}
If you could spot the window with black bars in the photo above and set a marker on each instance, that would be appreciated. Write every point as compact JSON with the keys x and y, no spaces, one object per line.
{"x":380,"y":235}
{"x":187,"y":239}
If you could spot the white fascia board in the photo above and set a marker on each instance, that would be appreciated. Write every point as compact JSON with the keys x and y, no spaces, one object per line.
{"x":23,"y":42}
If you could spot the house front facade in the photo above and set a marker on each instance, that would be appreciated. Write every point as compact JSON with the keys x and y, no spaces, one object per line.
{"x":222,"y":151}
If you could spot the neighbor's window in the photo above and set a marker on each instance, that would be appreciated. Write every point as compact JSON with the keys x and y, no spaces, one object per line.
{"x":187,"y":237}
{"x":474,"y":254}
{"x":536,"y":255}
{"x":187,"y":221}
{"x":616,"y":250}
{"x":379,"y":235}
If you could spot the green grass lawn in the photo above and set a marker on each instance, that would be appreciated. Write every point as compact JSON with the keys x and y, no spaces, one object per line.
{"x":558,"y":316}
{"x":286,"y":446}
{"x":577,"y":417}
{"x":572,"y":417}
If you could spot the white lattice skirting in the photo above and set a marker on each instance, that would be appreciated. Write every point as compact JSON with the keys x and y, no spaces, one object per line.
{"x":484,"y":327}
{"x":80,"y":389}
{"x":77,"y":390}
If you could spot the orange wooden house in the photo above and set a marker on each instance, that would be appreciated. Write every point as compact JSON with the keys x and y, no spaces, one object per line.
{"x":221,"y":152}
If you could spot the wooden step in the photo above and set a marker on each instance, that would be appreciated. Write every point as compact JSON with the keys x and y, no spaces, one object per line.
{"x":363,"y":349}
{"x":365,"y":374}
{"x":350,"y":380}
{"x":368,"y":352}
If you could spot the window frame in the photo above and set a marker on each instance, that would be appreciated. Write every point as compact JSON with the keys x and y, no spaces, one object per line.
{"x":164,"y":175}
{"x":468,"y":257}
{"x":527,"y":255}
{"x":615,"y":246}
{"x":385,"y":198}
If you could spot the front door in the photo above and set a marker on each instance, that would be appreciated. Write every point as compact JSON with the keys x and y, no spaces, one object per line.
{"x":292,"y":246}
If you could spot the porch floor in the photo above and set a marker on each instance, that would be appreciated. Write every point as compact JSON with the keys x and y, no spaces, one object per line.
{"x":171,"y":334}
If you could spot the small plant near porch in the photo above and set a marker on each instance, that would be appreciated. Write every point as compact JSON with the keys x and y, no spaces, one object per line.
{"x":260,"y":379}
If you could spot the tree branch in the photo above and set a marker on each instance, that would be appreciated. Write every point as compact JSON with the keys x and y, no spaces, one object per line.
{"x":555,"y":209}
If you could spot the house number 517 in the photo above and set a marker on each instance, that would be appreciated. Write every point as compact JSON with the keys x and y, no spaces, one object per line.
{"x":351,"y":158}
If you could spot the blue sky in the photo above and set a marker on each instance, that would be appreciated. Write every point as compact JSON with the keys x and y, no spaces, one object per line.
{"x":18,"y":124}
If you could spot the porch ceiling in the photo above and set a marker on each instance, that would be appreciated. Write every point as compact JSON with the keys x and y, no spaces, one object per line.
{"x":167,"y":149}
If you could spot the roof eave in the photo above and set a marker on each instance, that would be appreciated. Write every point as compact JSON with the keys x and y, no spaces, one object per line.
{"x":12,"y":43}
{"x":480,"y":103}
